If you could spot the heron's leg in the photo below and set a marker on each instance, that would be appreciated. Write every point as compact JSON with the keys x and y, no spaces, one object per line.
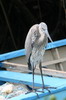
{"x":33,"y":88}
{"x":41,"y":76}
{"x":47,"y":88}
{"x":33,"y":78}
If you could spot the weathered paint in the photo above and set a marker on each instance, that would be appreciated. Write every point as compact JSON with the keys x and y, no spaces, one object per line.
{"x":21,"y":52}
{"x":21,"y":78}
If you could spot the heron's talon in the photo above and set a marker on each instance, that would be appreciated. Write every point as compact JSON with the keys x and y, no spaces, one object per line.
{"x":47,"y":88}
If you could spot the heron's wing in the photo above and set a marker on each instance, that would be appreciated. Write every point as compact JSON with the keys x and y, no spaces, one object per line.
{"x":29,"y":40}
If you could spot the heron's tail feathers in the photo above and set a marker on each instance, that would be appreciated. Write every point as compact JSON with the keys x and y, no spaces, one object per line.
{"x":29,"y":65}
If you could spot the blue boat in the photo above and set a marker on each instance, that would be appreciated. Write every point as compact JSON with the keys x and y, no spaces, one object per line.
{"x":54,"y":70}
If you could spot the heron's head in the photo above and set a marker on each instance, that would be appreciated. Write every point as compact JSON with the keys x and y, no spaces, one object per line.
{"x":43,"y":27}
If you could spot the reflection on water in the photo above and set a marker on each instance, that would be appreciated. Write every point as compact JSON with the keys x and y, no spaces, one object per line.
{"x":56,"y":96}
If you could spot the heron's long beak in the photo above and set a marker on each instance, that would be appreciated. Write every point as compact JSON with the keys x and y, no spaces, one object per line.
{"x":49,"y":36}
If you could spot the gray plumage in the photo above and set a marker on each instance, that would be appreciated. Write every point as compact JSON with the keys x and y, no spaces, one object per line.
{"x":35,"y":43}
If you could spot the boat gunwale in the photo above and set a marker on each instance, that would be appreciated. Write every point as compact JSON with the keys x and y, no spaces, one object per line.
{"x":32,"y":96}
{"x":21,"y":52}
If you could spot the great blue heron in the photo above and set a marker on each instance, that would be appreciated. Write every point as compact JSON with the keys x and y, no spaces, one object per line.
{"x":35,"y":43}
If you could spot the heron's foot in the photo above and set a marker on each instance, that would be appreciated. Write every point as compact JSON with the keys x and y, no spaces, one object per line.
{"x":36,"y":90}
{"x":33,"y":91}
{"x":47,"y":88}
{"x":43,"y":88}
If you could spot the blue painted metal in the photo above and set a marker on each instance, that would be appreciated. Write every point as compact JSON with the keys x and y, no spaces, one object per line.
{"x":13,"y":54}
{"x":21,"y":52}
{"x":1,"y":65}
{"x":33,"y":96}
{"x":61,"y":93}
{"x":21,"y":78}
{"x":18,"y":78}
{"x":56,"y":44}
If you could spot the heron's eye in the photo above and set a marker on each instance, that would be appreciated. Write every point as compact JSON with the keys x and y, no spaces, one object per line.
{"x":43,"y":29}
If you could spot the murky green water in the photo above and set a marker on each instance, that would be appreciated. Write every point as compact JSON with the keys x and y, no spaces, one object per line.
{"x":56,"y":96}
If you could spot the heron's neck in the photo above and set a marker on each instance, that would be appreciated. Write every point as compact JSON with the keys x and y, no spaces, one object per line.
{"x":41,"y":38}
